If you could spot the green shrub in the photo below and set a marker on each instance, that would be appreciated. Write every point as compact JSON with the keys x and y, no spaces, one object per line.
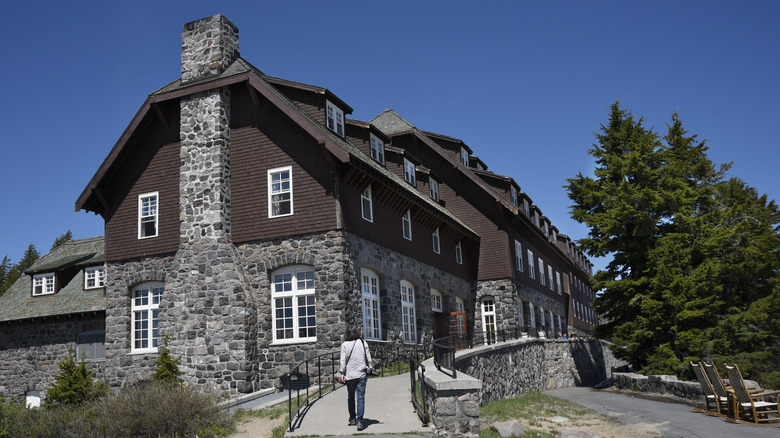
{"x":166,"y":368}
{"x":74,"y":384}
{"x":9,"y":414}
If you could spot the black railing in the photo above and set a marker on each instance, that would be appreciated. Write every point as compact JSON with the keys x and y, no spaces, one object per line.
{"x":303,"y":376}
{"x":392,"y":359}
{"x":418,"y":391}
{"x":444,"y":354}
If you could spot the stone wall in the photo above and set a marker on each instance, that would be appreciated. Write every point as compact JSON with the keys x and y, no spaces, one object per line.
{"x":658,"y":385}
{"x":31,"y":350}
{"x":508,"y":293}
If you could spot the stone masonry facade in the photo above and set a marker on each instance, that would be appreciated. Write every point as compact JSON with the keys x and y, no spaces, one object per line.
{"x":508,"y":294}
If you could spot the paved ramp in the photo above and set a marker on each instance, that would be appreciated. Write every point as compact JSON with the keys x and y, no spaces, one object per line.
{"x":389,"y":410}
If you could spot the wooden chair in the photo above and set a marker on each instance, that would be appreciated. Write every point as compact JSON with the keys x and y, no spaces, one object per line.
{"x":721,"y":403}
{"x":751,"y":407}
{"x":718,"y":387}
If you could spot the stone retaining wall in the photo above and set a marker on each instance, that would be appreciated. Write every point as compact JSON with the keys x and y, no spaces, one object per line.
{"x":657,"y":384}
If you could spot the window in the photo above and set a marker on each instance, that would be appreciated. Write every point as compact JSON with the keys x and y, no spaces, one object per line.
{"x":94,"y":277}
{"x":531,"y":270}
{"x":294,"y":305}
{"x":464,"y":156}
{"x":335,"y":118}
{"x":377,"y":149}
{"x":409,"y":172}
{"x":366,"y":204}
{"x":526,"y":207}
{"x":547,"y":229}
{"x":536,"y":219}
{"x":91,"y":345}
{"x":555,"y":237}
{"x":541,"y":315}
{"x":558,"y":282}
{"x":513,"y":191}
{"x":550,"y":277}
{"x":489,"y":318}
{"x":560,"y":330}
{"x":519,"y":256}
{"x":43,"y":284}
{"x":436,"y":304}
{"x":459,"y":305}
{"x":541,"y":270}
{"x":434,"y":187}
{"x":147,"y":215}
{"x":531,"y":314}
{"x":372,"y":322}
{"x":407,"y":313}
{"x":145,"y":335}
{"x":436,"y":248}
{"x":406,"y":222}
{"x":280,"y":192}
{"x":520,"y":318}
{"x":458,"y":254}
{"x":32,"y":399}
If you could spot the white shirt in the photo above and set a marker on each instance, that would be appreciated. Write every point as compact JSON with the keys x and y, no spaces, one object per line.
{"x":356,"y":368}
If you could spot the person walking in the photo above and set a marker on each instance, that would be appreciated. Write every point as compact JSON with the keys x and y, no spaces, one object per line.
{"x":355,"y":360}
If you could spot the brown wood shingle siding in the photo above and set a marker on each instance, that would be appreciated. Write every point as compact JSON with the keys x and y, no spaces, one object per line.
{"x":311,"y":103}
{"x":151,"y":165}
{"x":263,"y":138}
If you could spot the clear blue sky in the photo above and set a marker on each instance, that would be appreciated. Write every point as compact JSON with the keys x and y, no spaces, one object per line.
{"x":525,"y":84}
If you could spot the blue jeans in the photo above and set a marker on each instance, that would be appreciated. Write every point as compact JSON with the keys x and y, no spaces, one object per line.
{"x":356,"y":385}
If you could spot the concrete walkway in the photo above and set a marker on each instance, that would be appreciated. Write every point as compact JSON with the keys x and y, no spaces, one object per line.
{"x":388,"y":411}
{"x":671,"y":420}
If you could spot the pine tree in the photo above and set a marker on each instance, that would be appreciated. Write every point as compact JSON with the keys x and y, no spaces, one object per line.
{"x":5,"y":267}
{"x":74,"y":384}
{"x":30,"y":256}
{"x":166,"y":368}
{"x":62,"y":239}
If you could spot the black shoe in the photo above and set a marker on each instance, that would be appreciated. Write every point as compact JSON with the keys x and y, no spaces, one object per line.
{"x":360,"y":426}
{"x":352,"y":422}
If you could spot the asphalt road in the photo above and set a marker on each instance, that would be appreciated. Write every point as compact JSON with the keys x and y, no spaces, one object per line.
{"x":674,"y":420}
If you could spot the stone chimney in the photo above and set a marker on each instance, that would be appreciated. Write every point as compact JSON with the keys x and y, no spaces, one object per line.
{"x":208,"y":47}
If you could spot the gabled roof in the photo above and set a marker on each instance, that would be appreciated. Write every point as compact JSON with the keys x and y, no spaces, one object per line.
{"x":18,"y":303}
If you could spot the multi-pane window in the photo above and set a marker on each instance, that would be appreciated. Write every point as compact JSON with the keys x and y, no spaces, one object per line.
{"x":513,"y":191}
{"x":519,"y":256}
{"x":372,"y":322}
{"x":377,"y":149}
{"x":541,"y":270}
{"x":335,"y":118}
{"x":536,"y":219}
{"x":434,"y":188}
{"x":406,"y":223}
{"x":464,"y":156}
{"x":94,"y":277}
{"x":43,"y":284}
{"x":91,"y":345}
{"x":366,"y":204}
{"x":558,"y":282}
{"x":410,"y":174}
{"x":489,"y":318}
{"x":520,"y":317}
{"x":550,"y":276}
{"x":526,"y":207}
{"x":147,"y":215}
{"x":547,"y":229}
{"x":280,"y":193}
{"x":145,"y":336}
{"x":531,"y":269}
{"x":458,"y":254}
{"x":436,"y":246}
{"x":555,"y":237}
{"x":541,"y":315}
{"x":408,"y":318}
{"x":294,"y":317}
{"x":531,"y":314}
{"x":459,"y":305}
{"x":436,"y":304}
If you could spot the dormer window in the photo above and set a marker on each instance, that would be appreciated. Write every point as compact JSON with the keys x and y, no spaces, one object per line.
{"x":513,"y":193}
{"x":546,"y":228}
{"x":527,"y":208}
{"x":94,"y":277}
{"x":464,"y":156}
{"x":409,"y":172}
{"x":377,"y":149}
{"x":43,"y":284}
{"x":555,"y":237}
{"x":536,"y":219}
{"x":335,"y":118}
{"x":434,"y":187}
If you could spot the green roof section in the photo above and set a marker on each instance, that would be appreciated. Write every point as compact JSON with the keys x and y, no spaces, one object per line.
{"x":18,"y":303}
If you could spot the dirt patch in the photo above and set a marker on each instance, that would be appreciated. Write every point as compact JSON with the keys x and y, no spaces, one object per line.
{"x":258,"y":427}
{"x":591,"y":422}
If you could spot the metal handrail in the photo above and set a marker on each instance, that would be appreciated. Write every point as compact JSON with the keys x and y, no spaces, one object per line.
{"x":295,"y":374}
{"x":420,"y":408}
{"x":444,"y":354}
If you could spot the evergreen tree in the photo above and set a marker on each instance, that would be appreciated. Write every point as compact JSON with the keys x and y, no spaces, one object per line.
{"x":74,"y":384}
{"x":30,"y":256}
{"x":62,"y":239}
{"x":166,"y":368}
{"x":5,"y":267}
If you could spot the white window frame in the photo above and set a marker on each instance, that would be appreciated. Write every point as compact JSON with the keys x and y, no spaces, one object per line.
{"x":436,"y":301}
{"x":531,"y":268}
{"x":408,"y":314}
{"x":488,"y":311}
{"x":372,"y":316}
{"x":288,"y":286}
{"x":406,"y":225}
{"x":96,"y":275}
{"x":410,"y":172}
{"x":281,"y":191}
{"x":541,"y":271}
{"x":436,"y":241}
{"x":43,"y":284}
{"x":335,"y":118}
{"x":519,"y":256}
{"x":558,"y":282}
{"x":550,"y":277}
{"x":145,"y":304}
{"x":464,"y":157}
{"x":520,"y":316}
{"x":513,"y":194}
{"x":148,"y":213}
{"x":460,"y":305}
{"x":367,"y":204}
{"x":459,"y":254}
{"x":377,"y":149}
{"x":33,"y":399}
{"x":433,"y":186}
